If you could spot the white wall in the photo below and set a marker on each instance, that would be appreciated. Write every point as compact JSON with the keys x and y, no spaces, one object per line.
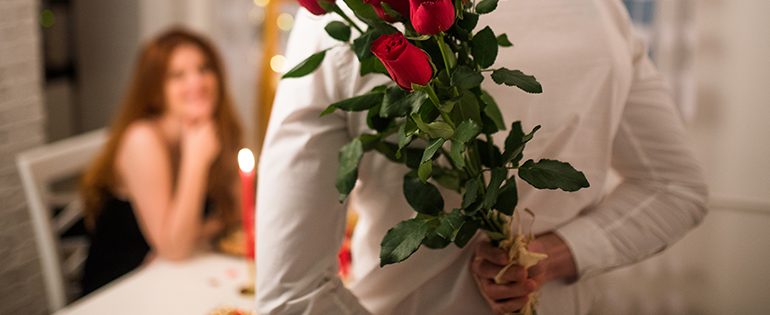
{"x":106,"y":44}
{"x":734,"y":71}
{"x":721,"y":267}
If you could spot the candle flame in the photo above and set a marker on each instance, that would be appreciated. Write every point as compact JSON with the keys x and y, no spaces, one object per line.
{"x":246,"y":160}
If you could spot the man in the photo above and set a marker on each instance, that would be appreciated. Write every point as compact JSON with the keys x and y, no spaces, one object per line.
{"x":604,"y":107}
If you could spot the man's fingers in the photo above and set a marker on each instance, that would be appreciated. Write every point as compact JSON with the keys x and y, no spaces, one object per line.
{"x":491,"y":253}
{"x":501,"y":292}
{"x":509,"y":306}
{"x":485,"y":269}
{"x":515,"y":273}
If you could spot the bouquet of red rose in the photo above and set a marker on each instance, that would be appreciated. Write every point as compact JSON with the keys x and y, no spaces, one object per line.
{"x":438,"y":64}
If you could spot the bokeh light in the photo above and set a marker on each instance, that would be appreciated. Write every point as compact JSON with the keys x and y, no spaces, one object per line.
{"x":277,"y":63}
{"x":285,"y":21}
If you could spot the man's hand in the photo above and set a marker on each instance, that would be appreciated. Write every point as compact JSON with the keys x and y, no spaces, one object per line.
{"x":512,"y":295}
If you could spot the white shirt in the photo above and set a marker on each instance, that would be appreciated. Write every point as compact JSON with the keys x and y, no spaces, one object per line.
{"x":604,"y":108}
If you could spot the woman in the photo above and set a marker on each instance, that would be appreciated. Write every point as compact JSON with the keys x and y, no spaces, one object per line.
{"x":170,"y":155}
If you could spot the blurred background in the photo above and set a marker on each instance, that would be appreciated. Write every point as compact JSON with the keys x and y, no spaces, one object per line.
{"x":64,"y":65}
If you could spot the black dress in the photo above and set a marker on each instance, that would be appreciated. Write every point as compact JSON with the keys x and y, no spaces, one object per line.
{"x":117,"y":245}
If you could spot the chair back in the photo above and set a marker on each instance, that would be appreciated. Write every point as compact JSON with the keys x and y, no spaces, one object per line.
{"x":39,"y":168}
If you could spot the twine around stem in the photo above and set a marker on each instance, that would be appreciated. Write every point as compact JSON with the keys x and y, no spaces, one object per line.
{"x":518,"y":254}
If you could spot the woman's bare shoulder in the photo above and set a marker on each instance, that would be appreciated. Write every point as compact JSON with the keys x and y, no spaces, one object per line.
{"x":141,"y":133}
{"x":141,"y":138}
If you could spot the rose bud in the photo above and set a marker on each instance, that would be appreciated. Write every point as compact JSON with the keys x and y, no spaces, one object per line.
{"x":313,"y":6}
{"x":400,"y":6}
{"x":405,"y":63}
{"x":430,"y":17}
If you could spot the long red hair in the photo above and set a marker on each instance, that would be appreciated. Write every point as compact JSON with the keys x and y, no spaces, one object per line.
{"x":145,"y":100}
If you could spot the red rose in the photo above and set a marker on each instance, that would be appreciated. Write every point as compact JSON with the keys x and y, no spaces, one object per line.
{"x":400,"y":6}
{"x":313,"y":6}
{"x":431,"y":17}
{"x":405,"y":62}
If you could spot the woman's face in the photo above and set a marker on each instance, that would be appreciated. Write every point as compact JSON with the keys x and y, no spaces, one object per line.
{"x":191,"y":85}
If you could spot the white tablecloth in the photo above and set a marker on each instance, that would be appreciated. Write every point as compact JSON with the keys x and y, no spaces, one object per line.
{"x":195,"y":286}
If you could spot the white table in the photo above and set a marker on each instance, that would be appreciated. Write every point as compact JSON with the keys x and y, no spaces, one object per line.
{"x":196,"y":286}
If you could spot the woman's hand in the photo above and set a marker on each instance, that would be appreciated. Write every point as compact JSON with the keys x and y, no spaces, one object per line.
{"x":518,"y":283}
{"x":200,"y":142}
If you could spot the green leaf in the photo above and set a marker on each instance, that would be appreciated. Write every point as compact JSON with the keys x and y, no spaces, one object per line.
{"x":508,"y":197}
{"x":375,"y":121}
{"x":372,"y":64}
{"x":469,"y":21}
{"x":356,"y":104}
{"x":450,"y":224}
{"x":466,"y":233}
{"x":468,"y":108}
{"x":459,"y":5}
{"x":502,"y":41}
{"x":436,"y":129}
{"x":396,"y":103}
{"x":380,"y":88}
{"x":347,"y":172}
{"x":448,"y":178}
{"x":338,"y":30}
{"x":525,"y":82}
{"x":456,"y":154}
{"x":424,"y":171}
{"x":492,"y":110}
{"x":484,"y":48}
{"x":490,"y":197}
{"x":390,"y":11}
{"x":306,"y":66}
{"x":406,"y":133}
{"x":424,"y":107}
{"x":362,"y":44}
{"x":516,"y":141}
{"x":471,"y":194}
{"x":426,"y":163}
{"x":486,"y":6}
{"x":402,"y":241}
{"x":552,"y":174}
{"x":423,"y":197}
{"x":411,"y":157}
{"x":466,"y":78}
{"x":489,"y":153}
{"x":431,"y":149}
{"x":432,"y":239}
{"x":466,"y":131}
{"x":447,"y":106}
{"x":496,"y":236}
{"x":368,"y":141}
{"x":363,"y":11}
{"x":417,"y":99}
{"x":388,"y":150}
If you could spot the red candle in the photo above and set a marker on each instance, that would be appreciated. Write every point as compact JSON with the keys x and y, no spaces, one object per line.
{"x":246,"y":165}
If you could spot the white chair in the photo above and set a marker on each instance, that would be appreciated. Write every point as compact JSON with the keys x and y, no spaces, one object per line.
{"x":39,"y":168}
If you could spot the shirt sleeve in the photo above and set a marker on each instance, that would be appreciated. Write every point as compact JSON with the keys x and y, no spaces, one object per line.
{"x":662,"y":194}
{"x":300,"y":223}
